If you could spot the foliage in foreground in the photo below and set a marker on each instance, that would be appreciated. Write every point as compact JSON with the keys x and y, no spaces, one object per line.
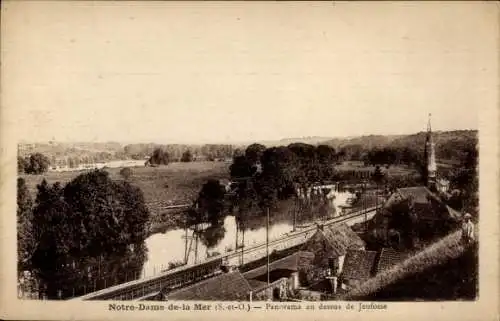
{"x":90,"y":217}
{"x":440,"y":252}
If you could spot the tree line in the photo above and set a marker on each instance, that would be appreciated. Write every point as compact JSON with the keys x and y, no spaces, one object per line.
{"x":263,"y":176}
{"x":35,"y":163}
{"x":182,"y":152}
{"x":66,"y":227}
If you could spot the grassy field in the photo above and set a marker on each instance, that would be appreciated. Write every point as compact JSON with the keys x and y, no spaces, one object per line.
{"x":162,"y":186}
{"x":395,"y":170}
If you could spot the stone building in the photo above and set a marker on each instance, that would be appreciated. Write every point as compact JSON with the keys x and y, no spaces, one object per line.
{"x":330,"y":245}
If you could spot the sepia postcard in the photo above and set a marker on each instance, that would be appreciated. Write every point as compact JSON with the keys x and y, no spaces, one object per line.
{"x":249,"y":160}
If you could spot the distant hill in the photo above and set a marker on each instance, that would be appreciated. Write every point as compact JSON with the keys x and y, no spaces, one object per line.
{"x":313,"y":140}
{"x":371,"y":141}
{"x":366,"y":142}
{"x":82,"y":150}
{"x":446,"y":143}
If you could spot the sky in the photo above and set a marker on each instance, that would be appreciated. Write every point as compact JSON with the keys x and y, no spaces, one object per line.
{"x":228,"y":72}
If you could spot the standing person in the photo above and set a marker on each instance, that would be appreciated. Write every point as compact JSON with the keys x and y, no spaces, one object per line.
{"x":467,"y":229}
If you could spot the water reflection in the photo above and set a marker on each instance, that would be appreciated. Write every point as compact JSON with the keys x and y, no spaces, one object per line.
{"x":225,"y":238}
{"x":212,"y":235}
{"x":76,"y":278}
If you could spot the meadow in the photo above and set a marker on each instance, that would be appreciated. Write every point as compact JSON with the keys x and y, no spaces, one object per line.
{"x":393,"y":170}
{"x":175,"y":183}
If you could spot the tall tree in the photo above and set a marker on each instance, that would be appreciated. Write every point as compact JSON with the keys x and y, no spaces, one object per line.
{"x":90,"y":217}
{"x":279,"y":170}
{"x":187,"y":156}
{"x":37,"y":163}
{"x":254,"y":152}
{"x":159,"y":157}
{"x":25,"y":240}
{"x":22,"y":164}
{"x":211,"y":201}
{"x":465,"y":180}
{"x":241,"y":168}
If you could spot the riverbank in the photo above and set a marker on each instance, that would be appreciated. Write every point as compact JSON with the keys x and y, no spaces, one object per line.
{"x":162,"y":186}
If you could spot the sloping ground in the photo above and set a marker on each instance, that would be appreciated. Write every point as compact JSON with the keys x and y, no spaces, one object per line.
{"x":445,"y":270}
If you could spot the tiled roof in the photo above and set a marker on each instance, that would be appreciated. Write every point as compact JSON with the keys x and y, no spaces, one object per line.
{"x":388,"y":258}
{"x":427,"y":204}
{"x":291,"y":262}
{"x":420,"y":194}
{"x":341,"y":238}
{"x":358,"y":264}
{"x":225,"y":287}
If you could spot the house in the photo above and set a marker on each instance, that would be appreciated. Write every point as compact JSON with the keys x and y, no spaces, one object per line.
{"x":284,"y":276}
{"x":431,"y":213}
{"x":231,"y":286}
{"x":358,"y":267}
{"x":329,"y":245}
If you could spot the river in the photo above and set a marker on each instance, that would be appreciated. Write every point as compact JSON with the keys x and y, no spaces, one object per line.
{"x":160,"y":249}
{"x":167,"y":247}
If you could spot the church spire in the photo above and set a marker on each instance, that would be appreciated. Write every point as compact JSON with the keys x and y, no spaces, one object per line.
{"x":430,"y":157}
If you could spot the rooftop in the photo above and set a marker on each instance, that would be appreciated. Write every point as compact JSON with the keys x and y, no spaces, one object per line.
{"x":291,"y":262}
{"x":230,"y":286}
{"x":427,"y":204}
{"x":339,"y":239}
{"x":388,"y":258}
{"x":358,"y":264}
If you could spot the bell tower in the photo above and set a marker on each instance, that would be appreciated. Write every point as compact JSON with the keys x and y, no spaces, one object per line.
{"x":430,"y":158}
